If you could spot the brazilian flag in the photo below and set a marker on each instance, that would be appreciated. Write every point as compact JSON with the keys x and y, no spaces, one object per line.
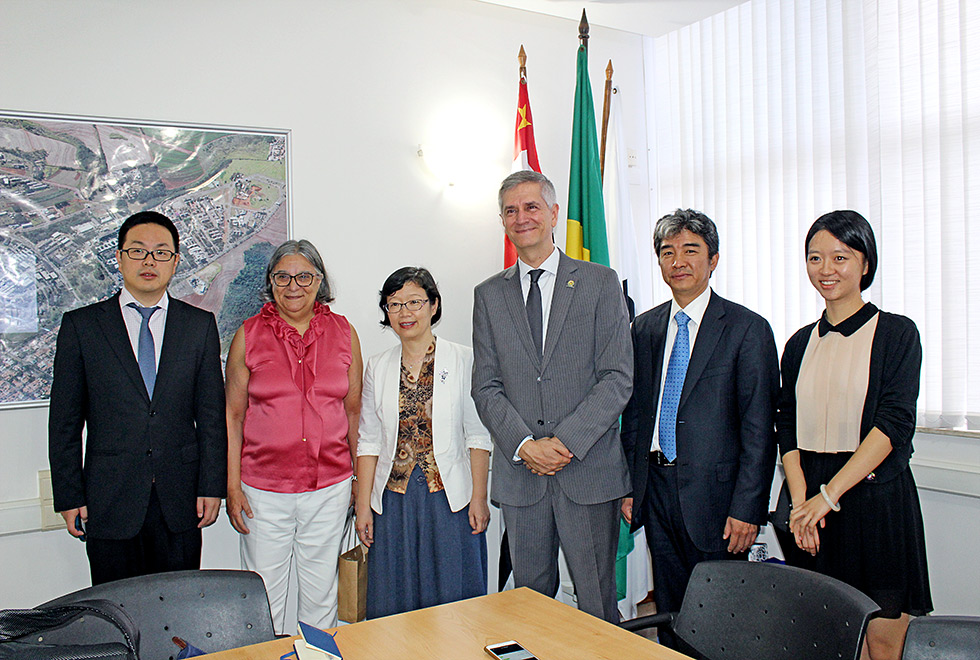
{"x":585,"y":236}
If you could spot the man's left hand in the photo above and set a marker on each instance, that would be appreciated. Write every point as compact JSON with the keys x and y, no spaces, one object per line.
{"x":207,"y":510}
{"x":740,"y":535}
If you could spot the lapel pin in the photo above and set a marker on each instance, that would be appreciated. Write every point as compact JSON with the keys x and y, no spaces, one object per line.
{"x":443,"y":375}
{"x":570,"y":284}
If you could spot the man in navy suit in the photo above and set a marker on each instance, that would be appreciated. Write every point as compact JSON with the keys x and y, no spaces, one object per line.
{"x":141,"y":373}
{"x":698,"y":430}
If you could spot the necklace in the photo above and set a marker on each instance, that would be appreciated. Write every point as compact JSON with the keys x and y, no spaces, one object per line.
{"x":412,"y":365}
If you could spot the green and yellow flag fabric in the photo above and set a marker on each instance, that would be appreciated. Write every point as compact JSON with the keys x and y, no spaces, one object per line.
{"x":585,"y":236}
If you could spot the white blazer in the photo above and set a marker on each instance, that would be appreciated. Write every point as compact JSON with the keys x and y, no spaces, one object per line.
{"x":456,"y":427}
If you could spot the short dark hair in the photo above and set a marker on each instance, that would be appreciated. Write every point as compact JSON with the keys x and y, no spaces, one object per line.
{"x":149,"y":218}
{"x":853,"y":230}
{"x":416,"y":275}
{"x":304,"y":249}
{"x":691,"y":220}
{"x":527,"y":176}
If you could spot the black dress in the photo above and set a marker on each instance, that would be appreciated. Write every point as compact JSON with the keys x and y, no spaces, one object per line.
{"x":876,"y":542}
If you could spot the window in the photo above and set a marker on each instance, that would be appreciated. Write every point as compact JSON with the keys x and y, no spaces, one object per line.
{"x":772,"y":113}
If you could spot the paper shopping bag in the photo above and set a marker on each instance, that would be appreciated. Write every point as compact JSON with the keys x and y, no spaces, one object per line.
{"x":352,"y":586}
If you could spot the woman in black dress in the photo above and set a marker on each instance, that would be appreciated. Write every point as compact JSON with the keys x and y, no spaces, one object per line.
{"x":845,"y":423}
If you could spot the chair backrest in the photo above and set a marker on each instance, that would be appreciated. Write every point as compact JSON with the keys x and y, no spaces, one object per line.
{"x":740,"y":609}
{"x":214,"y":610}
{"x":72,"y":631}
{"x":943,"y":637}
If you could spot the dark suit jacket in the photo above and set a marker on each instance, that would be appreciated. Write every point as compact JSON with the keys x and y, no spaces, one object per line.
{"x":725,"y":437}
{"x":178,"y":439}
{"x":575,"y":391}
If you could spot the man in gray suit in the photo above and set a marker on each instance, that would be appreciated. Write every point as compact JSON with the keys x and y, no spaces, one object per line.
{"x":552,"y":371}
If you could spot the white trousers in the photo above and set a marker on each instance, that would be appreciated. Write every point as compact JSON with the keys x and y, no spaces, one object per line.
{"x":309,"y":527}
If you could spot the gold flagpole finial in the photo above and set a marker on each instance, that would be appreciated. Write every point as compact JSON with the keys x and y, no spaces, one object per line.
{"x":522,"y":60}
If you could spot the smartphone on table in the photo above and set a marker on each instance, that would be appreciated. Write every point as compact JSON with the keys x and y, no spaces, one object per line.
{"x":509,"y":650}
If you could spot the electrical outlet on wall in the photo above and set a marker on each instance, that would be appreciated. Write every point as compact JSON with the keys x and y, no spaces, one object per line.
{"x":50,"y":519}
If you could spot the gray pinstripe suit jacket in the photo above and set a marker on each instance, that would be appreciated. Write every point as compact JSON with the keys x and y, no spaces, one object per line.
{"x":575,"y":391}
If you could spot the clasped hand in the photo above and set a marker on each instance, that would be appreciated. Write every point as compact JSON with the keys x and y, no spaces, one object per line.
{"x":545,"y":456}
{"x":803,"y":522}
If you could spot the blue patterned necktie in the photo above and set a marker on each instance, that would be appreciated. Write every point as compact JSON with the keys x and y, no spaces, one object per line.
{"x":680,"y":355}
{"x":146,"y":351}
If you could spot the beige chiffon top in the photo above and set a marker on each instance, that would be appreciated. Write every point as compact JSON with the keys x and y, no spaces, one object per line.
{"x":831,"y":389}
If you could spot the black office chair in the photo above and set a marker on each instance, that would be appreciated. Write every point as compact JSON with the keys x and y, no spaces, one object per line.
{"x":84,"y":629}
{"x":740,"y":609}
{"x":943,"y":638}
{"x":214,"y":610}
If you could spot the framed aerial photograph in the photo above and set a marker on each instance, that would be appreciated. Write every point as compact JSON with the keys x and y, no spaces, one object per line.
{"x":67,"y":184}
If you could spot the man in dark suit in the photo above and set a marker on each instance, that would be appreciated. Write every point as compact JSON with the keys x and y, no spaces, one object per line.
{"x":698,"y":430}
{"x":552,"y":371}
{"x":141,"y":372}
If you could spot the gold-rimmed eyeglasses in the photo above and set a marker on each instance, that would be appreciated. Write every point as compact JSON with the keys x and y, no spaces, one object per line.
{"x":411,"y":305}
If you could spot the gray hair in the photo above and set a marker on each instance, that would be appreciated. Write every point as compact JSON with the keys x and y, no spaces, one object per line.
{"x":691,"y":220}
{"x":306,"y":250}
{"x":528,"y":176}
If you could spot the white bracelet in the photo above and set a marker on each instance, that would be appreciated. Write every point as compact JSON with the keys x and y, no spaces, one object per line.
{"x":833,"y":505}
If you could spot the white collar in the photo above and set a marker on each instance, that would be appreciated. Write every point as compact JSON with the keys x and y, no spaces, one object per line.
{"x":695,"y":309}
{"x":125,"y":297}
{"x":549,"y":265}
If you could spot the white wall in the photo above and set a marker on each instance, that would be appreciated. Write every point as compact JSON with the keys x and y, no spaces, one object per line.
{"x":947,"y":471}
{"x":361,"y":85}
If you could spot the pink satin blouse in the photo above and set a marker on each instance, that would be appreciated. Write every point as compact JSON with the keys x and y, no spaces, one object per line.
{"x":295,"y":436}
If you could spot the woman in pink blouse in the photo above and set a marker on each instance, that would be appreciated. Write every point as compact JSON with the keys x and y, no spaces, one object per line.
{"x":293,"y":389}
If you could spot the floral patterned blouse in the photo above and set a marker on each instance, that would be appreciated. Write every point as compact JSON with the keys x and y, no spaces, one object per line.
{"x":415,"y":428}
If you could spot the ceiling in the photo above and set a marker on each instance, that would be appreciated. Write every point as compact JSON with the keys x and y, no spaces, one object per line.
{"x":647,"y":17}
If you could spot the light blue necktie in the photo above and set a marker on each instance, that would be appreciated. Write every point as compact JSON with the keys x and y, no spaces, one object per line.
{"x":680,"y":355}
{"x":146,"y":351}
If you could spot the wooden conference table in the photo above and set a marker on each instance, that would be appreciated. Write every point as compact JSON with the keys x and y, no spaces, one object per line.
{"x":459,"y":631}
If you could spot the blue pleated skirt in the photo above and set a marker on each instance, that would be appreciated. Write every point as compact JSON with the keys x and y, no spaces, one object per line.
{"x":423,"y":554}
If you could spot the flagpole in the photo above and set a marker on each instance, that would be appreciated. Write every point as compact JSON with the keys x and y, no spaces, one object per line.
{"x":607,"y":97}
{"x":583,"y":31}
{"x":522,"y":60}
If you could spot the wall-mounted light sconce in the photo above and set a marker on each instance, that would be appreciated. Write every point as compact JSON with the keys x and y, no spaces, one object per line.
{"x":464,"y":146}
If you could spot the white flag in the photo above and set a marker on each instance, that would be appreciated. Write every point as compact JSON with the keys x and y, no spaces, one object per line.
{"x":624,"y":255}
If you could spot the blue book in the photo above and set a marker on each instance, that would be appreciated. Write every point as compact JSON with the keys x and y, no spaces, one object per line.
{"x":319,"y":641}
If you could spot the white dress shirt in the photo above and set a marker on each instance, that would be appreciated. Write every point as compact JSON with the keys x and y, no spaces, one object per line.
{"x":546,"y":283}
{"x":695,"y":312}
{"x":133,"y":319}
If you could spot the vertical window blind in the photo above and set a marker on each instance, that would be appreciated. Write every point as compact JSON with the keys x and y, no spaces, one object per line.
{"x":773,"y":113}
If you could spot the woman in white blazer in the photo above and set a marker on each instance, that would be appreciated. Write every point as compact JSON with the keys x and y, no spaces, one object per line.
{"x":422,"y":460}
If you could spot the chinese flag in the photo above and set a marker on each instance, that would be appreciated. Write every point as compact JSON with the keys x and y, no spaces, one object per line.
{"x":525,"y":153}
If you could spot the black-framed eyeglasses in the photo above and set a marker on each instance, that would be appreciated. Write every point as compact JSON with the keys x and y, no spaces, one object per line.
{"x":139,"y":254}
{"x":282,"y":279}
{"x":411,"y":305}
